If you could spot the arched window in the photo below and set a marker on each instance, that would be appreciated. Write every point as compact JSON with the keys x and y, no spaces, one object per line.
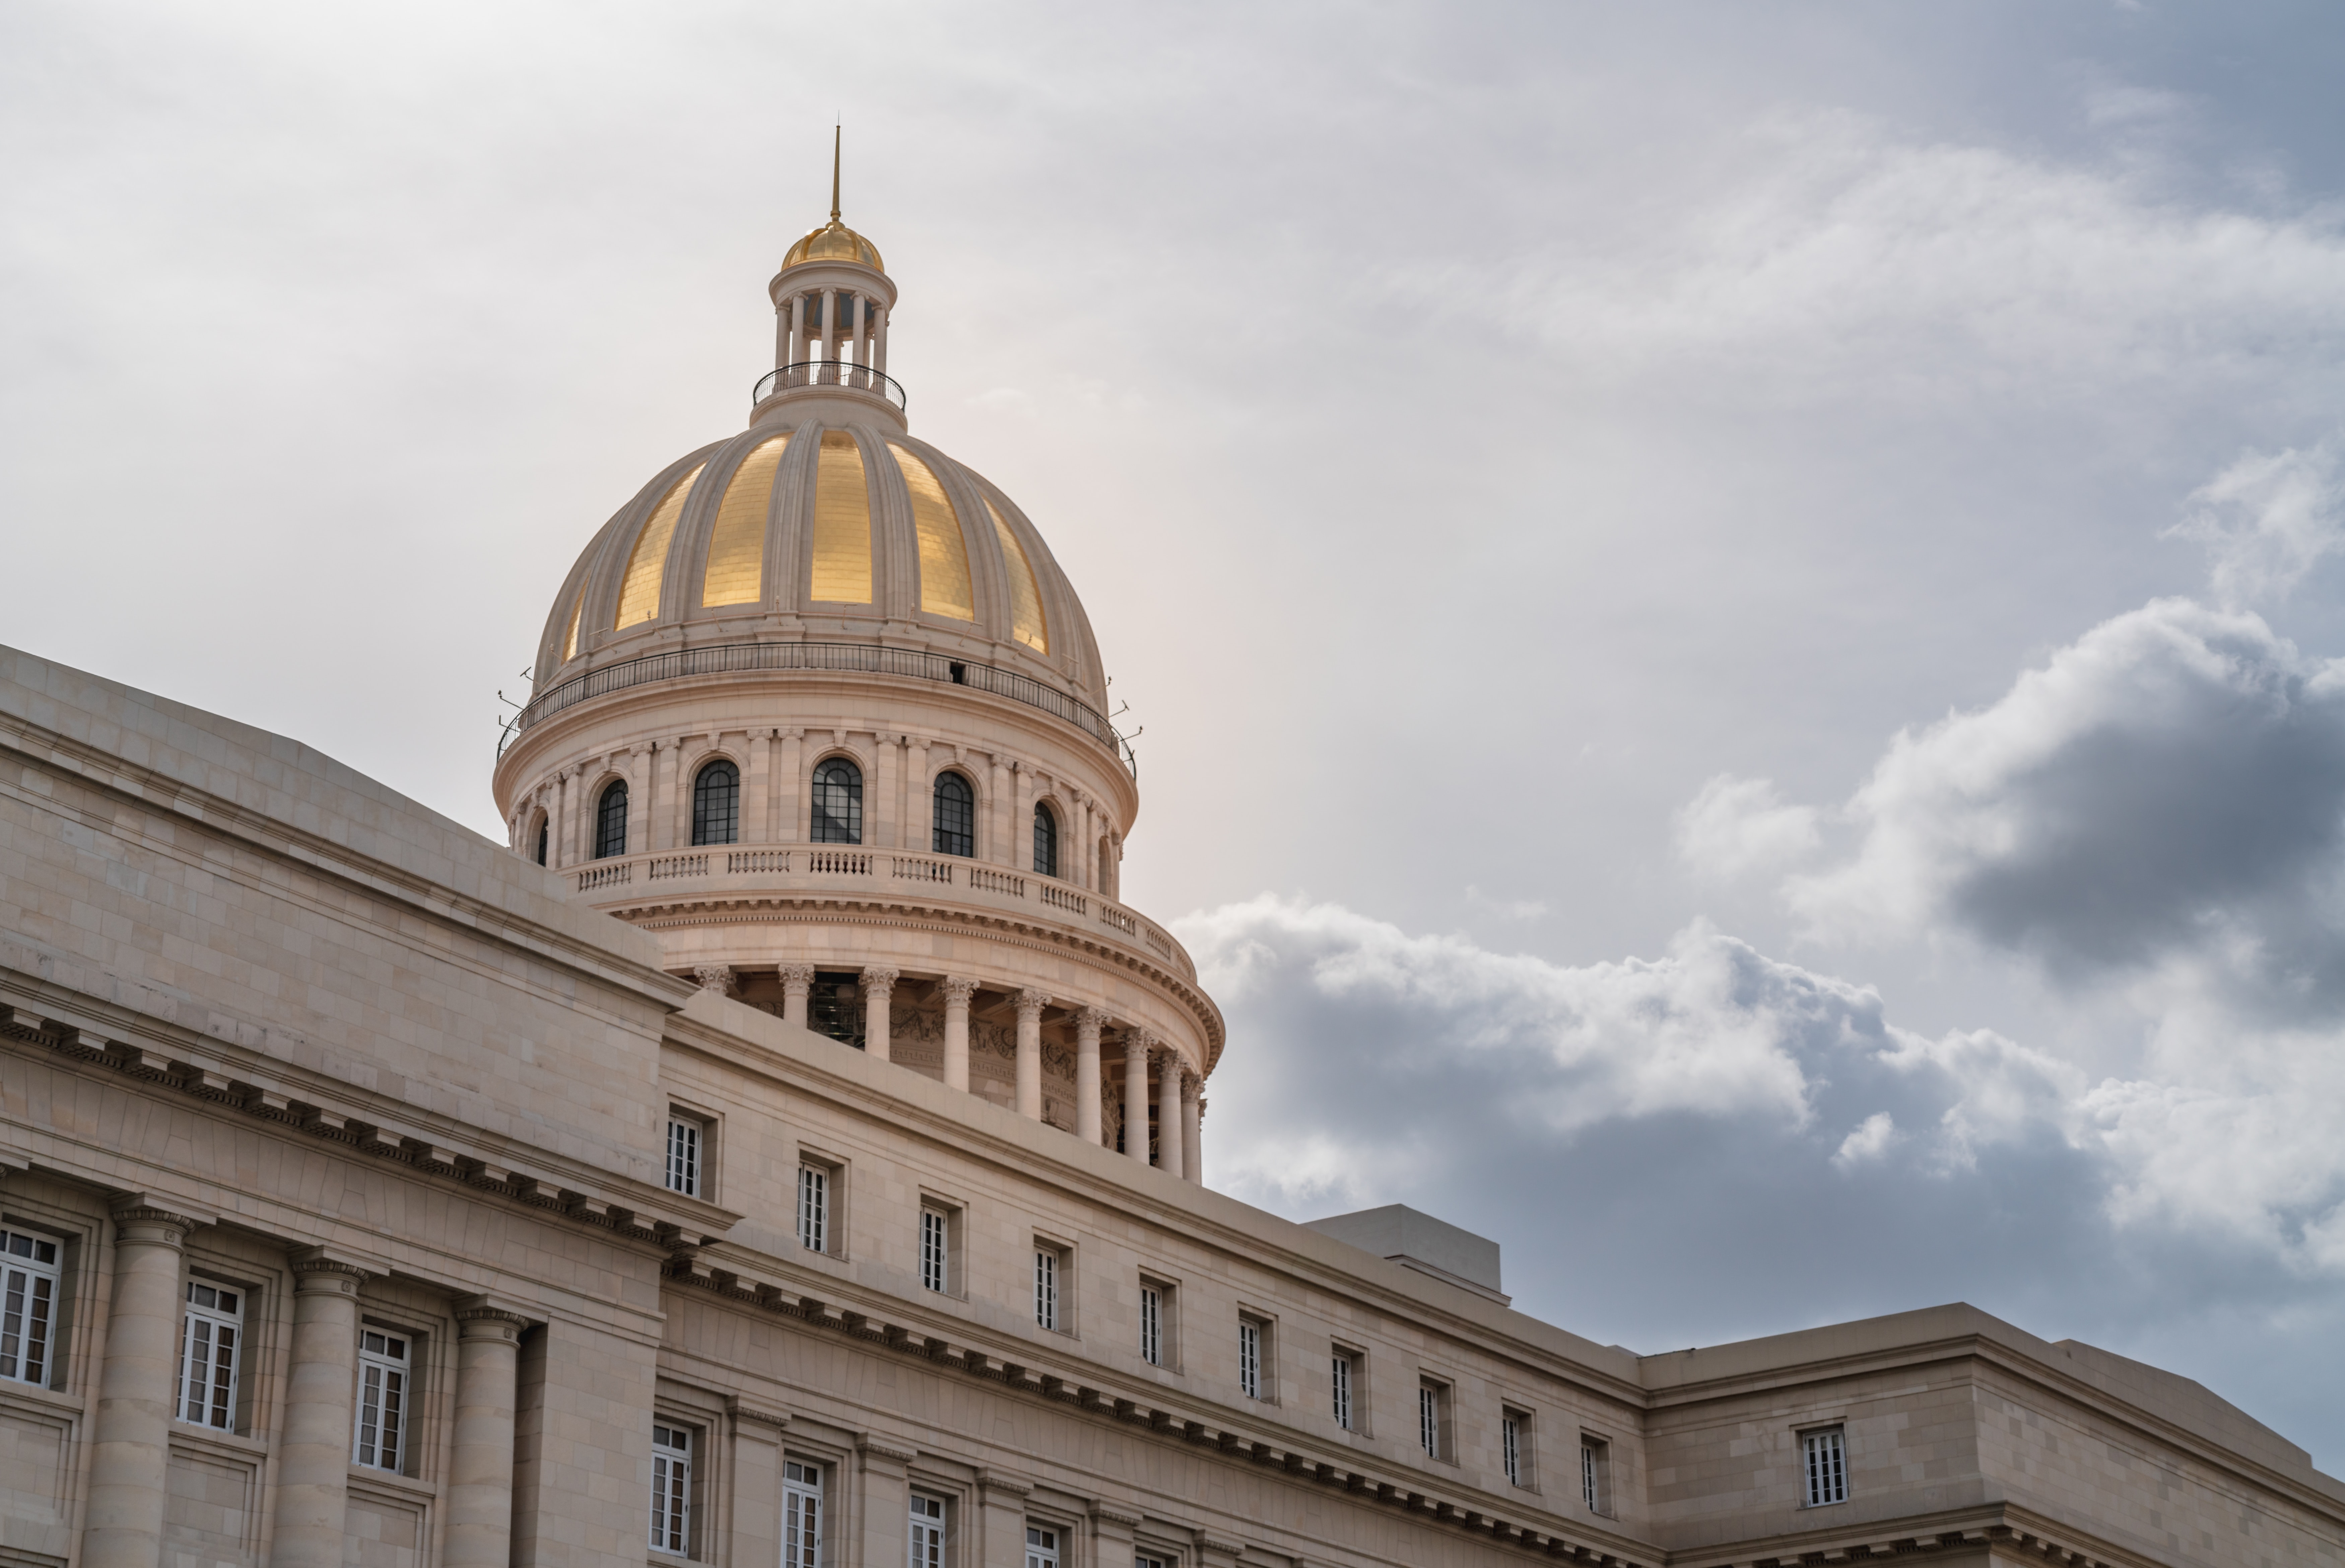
{"x":717,"y":804}
{"x":1046,"y":840}
{"x":545,"y":832}
{"x":611,"y":820}
{"x":956,"y":816}
{"x":837,"y":803}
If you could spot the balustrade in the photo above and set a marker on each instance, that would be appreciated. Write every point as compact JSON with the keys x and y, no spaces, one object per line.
{"x":943,"y":871}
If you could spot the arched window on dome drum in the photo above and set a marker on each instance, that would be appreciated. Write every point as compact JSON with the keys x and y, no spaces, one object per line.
{"x":611,"y":820}
{"x":1046,"y":840}
{"x":717,"y":804}
{"x":956,"y":816}
{"x":837,"y":803}
{"x":544,"y":837}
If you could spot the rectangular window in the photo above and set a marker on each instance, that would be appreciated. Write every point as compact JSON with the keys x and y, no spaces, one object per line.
{"x":383,"y":1401}
{"x":1152,"y":1325}
{"x":28,"y":1306}
{"x":1042,"y":1547}
{"x":1515,"y":1445}
{"x":1340,"y":1384}
{"x":1826,"y":1467}
{"x":1250,"y":1358}
{"x":934,"y":1250}
{"x":210,"y":1339}
{"x":801,"y":1515}
{"x":814,"y":1209}
{"x":684,"y":1137}
{"x":1046,"y":1287}
{"x":1595,"y":1475}
{"x":1429,"y":1415}
{"x":671,"y":1489}
{"x":928,"y":1532}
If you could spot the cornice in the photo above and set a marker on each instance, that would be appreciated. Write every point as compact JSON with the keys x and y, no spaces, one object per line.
{"x":87,"y":1037}
{"x":149,"y":790}
{"x":910,"y":914}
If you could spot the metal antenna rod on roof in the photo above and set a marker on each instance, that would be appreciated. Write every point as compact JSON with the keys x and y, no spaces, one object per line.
{"x":835,"y":132}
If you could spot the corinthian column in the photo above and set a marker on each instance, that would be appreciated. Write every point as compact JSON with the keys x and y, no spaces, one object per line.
{"x":480,"y":1463}
{"x":797,"y":979}
{"x":1137,"y":1044}
{"x":1168,"y":1112}
{"x":1031,"y":1004}
{"x":131,"y":1435}
{"x":956,"y":995}
{"x":1087,"y":1074}
{"x":314,"y":1465}
{"x":878,"y":990}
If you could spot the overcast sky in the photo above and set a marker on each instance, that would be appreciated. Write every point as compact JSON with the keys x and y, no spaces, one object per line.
{"x":1736,"y":607}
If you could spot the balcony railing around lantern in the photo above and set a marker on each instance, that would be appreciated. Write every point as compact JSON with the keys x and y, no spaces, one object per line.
{"x":829,"y":373}
{"x":866,"y":658}
{"x":713,"y":869}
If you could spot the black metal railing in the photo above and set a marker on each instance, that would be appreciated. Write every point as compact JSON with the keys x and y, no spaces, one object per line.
{"x":864,"y":658}
{"x":829,"y":373}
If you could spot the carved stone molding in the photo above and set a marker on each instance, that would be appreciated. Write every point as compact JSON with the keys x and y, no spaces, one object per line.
{"x":1107,"y":1514}
{"x":746,"y":1415}
{"x":314,"y":1272}
{"x":1006,"y":1485}
{"x":164,"y":1226}
{"x":881,"y":1447}
{"x":479,"y":1319}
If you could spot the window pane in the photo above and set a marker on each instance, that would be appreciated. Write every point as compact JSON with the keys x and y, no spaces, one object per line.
{"x":837,"y":816}
{"x":717,"y":804}
{"x":611,"y":822}
{"x":956,"y":816}
{"x":1046,"y":841}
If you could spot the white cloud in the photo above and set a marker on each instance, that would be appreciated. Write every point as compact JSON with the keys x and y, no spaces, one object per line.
{"x":1735,"y":827}
{"x":2268,"y":520}
{"x":1836,"y":258}
{"x":1869,"y":1142}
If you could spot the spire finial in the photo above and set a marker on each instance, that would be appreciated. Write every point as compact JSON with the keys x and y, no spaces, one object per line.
{"x":836,"y":133}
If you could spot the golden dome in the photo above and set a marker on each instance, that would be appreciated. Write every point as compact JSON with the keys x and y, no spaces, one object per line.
{"x":833,"y":241}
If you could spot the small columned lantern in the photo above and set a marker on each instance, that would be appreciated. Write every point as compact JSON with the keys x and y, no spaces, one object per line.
{"x":831,"y":300}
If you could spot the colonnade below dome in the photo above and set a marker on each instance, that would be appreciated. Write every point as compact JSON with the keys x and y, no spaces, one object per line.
{"x":1079,"y":1068}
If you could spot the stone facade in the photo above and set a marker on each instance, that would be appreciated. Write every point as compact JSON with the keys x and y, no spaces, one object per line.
{"x":373,"y":1193}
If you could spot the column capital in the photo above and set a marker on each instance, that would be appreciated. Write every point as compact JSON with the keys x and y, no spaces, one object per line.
{"x":879,"y":979}
{"x":958,"y":991}
{"x":1141,"y":1040}
{"x":1031,"y":1004}
{"x":152,"y":1223}
{"x":1092,"y":1019}
{"x":477,"y":1317}
{"x":743,"y":1416}
{"x":1191,"y":1082}
{"x":315,"y":1269}
{"x":716,"y":977}
{"x":796,"y":976}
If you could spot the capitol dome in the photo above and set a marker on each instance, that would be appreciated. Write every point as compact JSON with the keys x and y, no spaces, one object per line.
{"x":818,"y":708}
{"x":822,"y":527}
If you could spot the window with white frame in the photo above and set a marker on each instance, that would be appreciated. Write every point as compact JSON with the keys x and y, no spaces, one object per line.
{"x":379,"y":1442}
{"x":1042,"y":1547}
{"x":685,"y":1135}
{"x":671,"y":1489}
{"x":1343,"y":1375}
{"x":1595,"y":1474}
{"x":801,"y":1515}
{"x":1152,"y":1325}
{"x":928,"y":1532}
{"x":211,"y":1341}
{"x":936,"y":1251}
{"x":1142,"y":1560}
{"x":28,"y":1306}
{"x":1046,"y":1287}
{"x":1825,"y":1466}
{"x":1250,"y":1358}
{"x":1510,"y":1446}
{"x":1429,"y":1414}
{"x":814,"y":1209}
